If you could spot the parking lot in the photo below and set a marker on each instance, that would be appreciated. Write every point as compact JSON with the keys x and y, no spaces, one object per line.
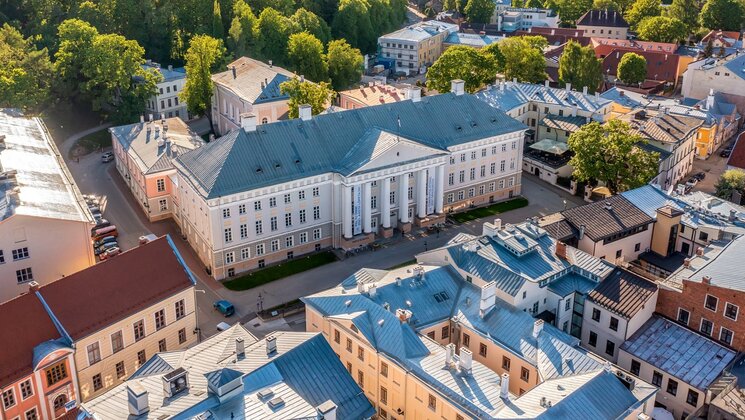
{"x":713,"y":167}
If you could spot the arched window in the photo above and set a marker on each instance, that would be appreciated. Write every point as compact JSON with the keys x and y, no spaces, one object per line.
{"x":60,"y":401}
{"x":264,"y":120}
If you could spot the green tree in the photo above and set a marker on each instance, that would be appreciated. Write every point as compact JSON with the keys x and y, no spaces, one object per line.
{"x":730,"y":182}
{"x":241,"y":38}
{"x":579,"y":66}
{"x":352,"y":23}
{"x":610,"y":153}
{"x":100,"y":15}
{"x":75,"y":40}
{"x":345,"y":64}
{"x":272,"y":33}
{"x":537,"y":42}
{"x":662,"y":29}
{"x":605,"y":5}
{"x":464,"y":63}
{"x":522,"y":60}
{"x":709,"y":48}
{"x":727,"y":15}
{"x":325,"y":9}
{"x":317,"y":95}
{"x":25,"y":72}
{"x":537,"y":4}
{"x":307,"y":21}
{"x":305,"y":53}
{"x":685,"y":11}
{"x":632,"y":69}
{"x":218,"y":31}
{"x":479,"y":11}
{"x":492,"y":50}
{"x":642,"y":9}
{"x":203,"y":55}
{"x":570,"y":10}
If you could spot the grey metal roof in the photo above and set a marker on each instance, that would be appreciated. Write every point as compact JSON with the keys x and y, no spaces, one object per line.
{"x":254,"y":81}
{"x":511,"y":95}
{"x":419,"y":31}
{"x":682,"y":353}
{"x":287,"y":150}
{"x":34,"y":179}
{"x":722,"y":263}
{"x":571,"y":283}
{"x":169,"y":75}
{"x":649,"y":198}
{"x":623,"y":293}
{"x":608,"y":217}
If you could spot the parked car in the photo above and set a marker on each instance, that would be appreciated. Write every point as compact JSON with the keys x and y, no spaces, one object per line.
{"x":110,"y":253}
{"x":224,"y":307}
{"x":98,"y":234}
{"x":700,"y":176}
{"x":104,"y":240}
{"x":692,"y":181}
{"x":105,"y":247}
{"x":107,"y":157}
{"x":101,"y":223}
{"x":223,"y":326}
{"x":726,"y":152}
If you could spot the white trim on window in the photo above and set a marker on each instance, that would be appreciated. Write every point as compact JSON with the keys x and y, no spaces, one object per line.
{"x":737,"y":313}
{"x":689,"y":315}
{"x":732,"y":335}
{"x":715,"y":306}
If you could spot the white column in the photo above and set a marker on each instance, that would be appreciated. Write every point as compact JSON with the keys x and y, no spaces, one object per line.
{"x":439,"y":188}
{"x":421,"y":193}
{"x":385,"y":199}
{"x":403,"y":198}
{"x":346,"y":218}
{"x":366,"y":208}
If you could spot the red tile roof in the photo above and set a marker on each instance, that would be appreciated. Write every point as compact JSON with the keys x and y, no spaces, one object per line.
{"x":117,"y":288}
{"x":737,"y":158}
{"x":25,"y":325}
{"x":603,"y":46}
{"x":660,"y":66}
{"x":721,"y":35}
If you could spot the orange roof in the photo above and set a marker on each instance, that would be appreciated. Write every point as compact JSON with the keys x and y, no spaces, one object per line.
{"x":603,"y":45}
{"x":374,"y":95}
{"x":720,"y":34}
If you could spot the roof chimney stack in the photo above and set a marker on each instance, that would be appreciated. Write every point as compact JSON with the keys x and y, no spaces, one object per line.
{"x":248,"y":122}
{"x":240,"y":347}
{"x":465,"y":361}
{"x":449,"y":353}
{"x":706,"y":279}
{"x":33,"y":287}
{"x":700,"y":251}
{"x":504,"y":386}
{"x":537,"y":327}
{"x":488,"y":298}
{"x":561,"y":250}
{"x":546,"y":83}
{"x":270,"y":64}
{"x":305,"y":112}
{"x":568,"y":87}
{"x":414,"y":93}
{"x":232,"y":69}
{"x":271,"y":345}
{"x":137,"y":396}
{"x":326,"y":411}
{"x":458,"y":87}
{"x":584,"y":90}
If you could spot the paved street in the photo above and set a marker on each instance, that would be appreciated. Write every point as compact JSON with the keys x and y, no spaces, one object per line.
{"x":119,"y":207}
{"x":714,"y":167}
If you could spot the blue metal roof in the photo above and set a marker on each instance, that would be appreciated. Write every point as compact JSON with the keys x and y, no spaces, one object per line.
{"x":602,"y":397}
{"x":680,"y":352}
{"x":649,"y":198}
{"x":518,"y":94}
{"x":288,"y":150}
{"x":571,"y":283}
{"x":737,"y":66}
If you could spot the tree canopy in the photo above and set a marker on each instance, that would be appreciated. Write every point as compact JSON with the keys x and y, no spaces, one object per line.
{"x":662,"y":29}
{"x":305,"y":53}
{"x":317,"y":95}
{"x":25,"y":71}
{"x":523,"y":60}
{"x":730,"y":182}
{"x":241,"y":39}
{"x":579,"y":66}
{"x":352,"y":23}
{"x":569,"y":10}
{"x":632,"y":69}
{"x":642,"y":9}
{"x":610,"y":153}
{"x":345,"y":64}
{"x":727,"y":15}
{"x":479,"y":11}
{"x":203,"y":55}
{"x":306,"y":21}
{"x":685,"y":11}
{"x":461,"y":62}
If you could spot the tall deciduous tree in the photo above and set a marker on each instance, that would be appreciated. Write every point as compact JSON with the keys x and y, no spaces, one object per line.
{"x":75,"y":40}
{"x":727,"y":15}
{"x":523,"y":61}
{"x":685,"y":11}
{"x":610,"y":153}
{"x":479,"y":11}
{"x":345,"y":64}
{"x":464,"y":63}
{"x":218,"y":31}
{"x":272,"y":33}
{"x":662,"y":29}
{"x":305,"y":53}
{"x":730,"y":182}
{"x":317,"y":95}
{"x":632,"y":69}
{"x":352,"y":23}
{"x":579,"y":66}
{"x":241,"y":38}
{"x":570,"y":10}
{"x":642,"y":9}
{"x":307,"y":21}
{"x":203,"y":55}
{"x":25,"y":72}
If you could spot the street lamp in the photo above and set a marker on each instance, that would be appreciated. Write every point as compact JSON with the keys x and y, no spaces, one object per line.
{"x":565,"y":203}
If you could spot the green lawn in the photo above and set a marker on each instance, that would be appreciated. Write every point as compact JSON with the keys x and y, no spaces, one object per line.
{"x":95,"y":141}
{"x":288,"y":268}
{"x":492,"y":210}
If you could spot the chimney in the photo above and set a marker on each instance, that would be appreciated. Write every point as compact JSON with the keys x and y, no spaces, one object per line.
{"x":584,"y":90}
{"x":488,"y":298}
{"x":403,"y":315}
{"x":537,"y":327}
{"x":502,"y":86}
{"x":597,"y":95}
{"x":270,"y":64}
{"x":608,"y":206}
{"x":732,"y":215}
{"x":561,"y":250}
{"x":240,"y":347}
{"x":687,"y":262}
{"x":514,"y":80}
{"x":360,"y":287}
{"x":465,"y":361}
{"x":305,"y":112}
{"x":504,"y":386}
{"x":271,"y":345}
{"x":458,"y":87}
{"x":372,"y":290}
{"x":568,"y":87}
{"x":414,"y":93}
{"x":326,"y":411}
{"x":142,"y":119}
{"x":137,"y":396}
{"x":706,"y":279}
{"x":150,"y":117}
{"x":700,"y":251}
{"x":248,"y":122}
{"x":449,"y":352}
{"x":581,"y":232}
{"x":398,"y":281}
{"x":232,"y":69}
{"x":33,"y":287}
{"x":545,"y":84}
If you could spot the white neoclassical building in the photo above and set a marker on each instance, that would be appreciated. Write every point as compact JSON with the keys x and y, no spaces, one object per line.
{"x":270,"y":192}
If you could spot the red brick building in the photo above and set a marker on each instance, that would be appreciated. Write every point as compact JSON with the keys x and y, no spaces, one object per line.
{"x":707,"y":294}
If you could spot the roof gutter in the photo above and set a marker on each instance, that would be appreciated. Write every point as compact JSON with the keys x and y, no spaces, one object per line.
{"x":53,"y":317}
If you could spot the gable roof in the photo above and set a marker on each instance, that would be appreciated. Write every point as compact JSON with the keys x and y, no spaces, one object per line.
{"x":606,"y":218}
{"x":510,"y":95}
{"x":721,"y":262}
{"x":664,"y":127}
{"x":602,"y":18}
{"x":737,"y":157}
{"x":254,"y":81}
{"x":117,"y":288}
{"x":623,"y":293}
{"x":288,"y":150}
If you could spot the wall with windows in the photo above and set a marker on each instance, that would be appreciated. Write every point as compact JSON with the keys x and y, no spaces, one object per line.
{"x":108,"y":356}
{"x":41,"y":250}
{"x":166,"y":100}
{"x":626,"y":248}
{"x":676,"y":396}
{"x":711,"y":310}
{"x":227,"y":108}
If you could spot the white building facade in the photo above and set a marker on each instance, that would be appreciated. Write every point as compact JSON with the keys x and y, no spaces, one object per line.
{"x":166,"y":102}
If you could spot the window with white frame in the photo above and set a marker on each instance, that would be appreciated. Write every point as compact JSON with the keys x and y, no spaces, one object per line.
{"x":472,"y":174}
{"x":316,"y":234}
{"x":450,"y":198}
{"x":711,"y":302}
{"x":225,"y":213}
{"x":493,"y":168}
{"x":725,"y":335}
{"x":259,"y":227}
{"x":160,"y":184}
{"x":289,"y":241}
{"x":242,"y":209}
{"x":410,"y":193}
{"x":257,"y":205}
{"x":731,"y":311}
{"x":273,"y":223}
{"x":275,"y":245}
{"x":451,"y":179}
{"x":683,"y":316}
{"x":163,"y":204}
{"x":20,"y":254}
{"x":244,"y":231}
{"x":374,"y":202}
{"x":228,"y":235}
{"x":260,"y":249}
{"x":491,"y":186}
{"x":288,"y":219}
{"x":245,"y":253}
{"x":502,"y":165}
{"x":392,"y":197}
{"x":24,"y":275}
{"x":303,"y":237}
{"x":301,"y":215}
{"x":461,"y":195}
{"x":511,"y":181}
{"x":229,"y":257}
{"x":288,"y":198}
{"x":316,"y":212}
{"x":483,"y":171}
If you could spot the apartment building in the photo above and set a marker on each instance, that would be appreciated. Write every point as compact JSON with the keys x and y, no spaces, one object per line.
{"x":614,"y":310}
{"x":721,"y":74}
{"x":450,"y":340}
{"x":269,"y":193}
{"x":515,"y":19}
{"x":248,"y":86}
{"x":681,"y":363}
{"x":166,"y":102}
{"x":44,"y":221}
{"x":143,"y":153}
{"x":414,"y":48}
{"x":603,"y":23}
{"x":234,"y":375}
{"x":37,"y":368}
